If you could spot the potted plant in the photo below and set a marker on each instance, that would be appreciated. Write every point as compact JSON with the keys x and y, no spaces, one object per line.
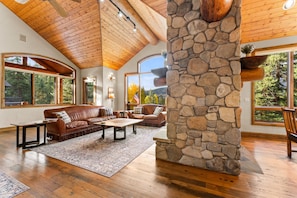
{"x":164,"y":54}
{"x":247,"y":49}
{"x":250,"y":62}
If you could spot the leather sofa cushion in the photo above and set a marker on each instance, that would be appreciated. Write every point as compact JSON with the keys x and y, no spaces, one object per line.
{"x":151,"y":117}
{"x":150,"y":108}
{"x":75,"y":124}
{"x":138,"y":116}
{"x":94,"y":120}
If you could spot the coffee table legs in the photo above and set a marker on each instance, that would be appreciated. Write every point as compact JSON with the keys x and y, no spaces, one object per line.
{"x":115,"y":129}
{"x":134,"y":129}
{"x":103,"y":132}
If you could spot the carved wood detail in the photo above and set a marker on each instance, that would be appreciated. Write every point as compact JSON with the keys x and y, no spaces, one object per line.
{"x":214,"y":10}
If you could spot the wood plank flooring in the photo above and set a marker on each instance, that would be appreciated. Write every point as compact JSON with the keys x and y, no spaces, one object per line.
{"x":147,"y":177}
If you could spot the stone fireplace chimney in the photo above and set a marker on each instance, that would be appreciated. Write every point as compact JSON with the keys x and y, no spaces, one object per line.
{"x":203,"y":113}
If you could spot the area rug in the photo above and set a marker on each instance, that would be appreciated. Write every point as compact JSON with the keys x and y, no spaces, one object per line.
{"x":103,"y":156}
{"x":248,"y":163}
{"x":10,"y":187}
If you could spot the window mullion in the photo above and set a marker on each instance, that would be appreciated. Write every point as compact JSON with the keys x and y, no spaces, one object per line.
{"x":290,"y":75}
{"x":33,"y":88}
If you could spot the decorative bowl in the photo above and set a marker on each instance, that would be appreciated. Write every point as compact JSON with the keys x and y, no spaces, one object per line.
{"x":161,"y":72}
{"x":252,"y":62}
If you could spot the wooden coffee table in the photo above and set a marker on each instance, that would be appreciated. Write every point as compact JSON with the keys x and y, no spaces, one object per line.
{"x":119,"y":124}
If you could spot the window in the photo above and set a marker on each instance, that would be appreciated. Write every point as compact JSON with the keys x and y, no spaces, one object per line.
{"x":141,"y":87}
{"x":277,"y":88}
{"x":33,"y":80}
{"x":67,"y":91}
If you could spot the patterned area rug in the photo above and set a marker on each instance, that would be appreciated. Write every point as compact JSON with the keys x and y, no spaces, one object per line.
{"x":10,"y":187}
{"x":103,"y":156}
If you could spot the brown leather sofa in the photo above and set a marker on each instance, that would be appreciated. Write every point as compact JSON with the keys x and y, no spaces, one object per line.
{"x":82,"y":119}
{"x":148,"y":114}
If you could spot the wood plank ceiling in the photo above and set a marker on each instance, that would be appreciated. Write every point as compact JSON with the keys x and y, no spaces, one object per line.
{"x":93,"y":35}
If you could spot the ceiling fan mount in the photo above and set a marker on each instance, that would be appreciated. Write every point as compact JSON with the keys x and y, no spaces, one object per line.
{"x":55,"y":5}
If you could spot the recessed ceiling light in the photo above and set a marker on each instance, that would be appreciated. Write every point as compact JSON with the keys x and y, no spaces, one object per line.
{"x":22,"y":1}
{"x":289,"y":4}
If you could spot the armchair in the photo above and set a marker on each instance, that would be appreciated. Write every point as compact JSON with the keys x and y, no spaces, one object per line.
{"x":289,"y":116}
{"x":152,"y":114}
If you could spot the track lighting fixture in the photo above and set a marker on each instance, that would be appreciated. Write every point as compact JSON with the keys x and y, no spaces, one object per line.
{"x":122,"y":14}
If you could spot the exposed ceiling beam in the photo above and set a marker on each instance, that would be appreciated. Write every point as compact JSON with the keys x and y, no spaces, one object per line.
{"x":140,"y":24}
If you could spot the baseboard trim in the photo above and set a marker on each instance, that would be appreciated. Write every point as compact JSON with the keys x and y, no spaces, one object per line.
{"x":263,"y":135}
{"x":243,"y":134}
{"x":5,"y":129}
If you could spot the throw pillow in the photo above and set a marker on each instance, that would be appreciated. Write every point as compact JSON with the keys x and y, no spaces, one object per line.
{"x":158,"y":110}
{"x":138,"y":110}
{"x":64,"y":116}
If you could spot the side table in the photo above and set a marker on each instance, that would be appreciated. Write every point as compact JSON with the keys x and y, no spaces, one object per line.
{"x":36,"y":124}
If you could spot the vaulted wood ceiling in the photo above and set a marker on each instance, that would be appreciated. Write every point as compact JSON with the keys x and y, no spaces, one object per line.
{"x":93,"y":35}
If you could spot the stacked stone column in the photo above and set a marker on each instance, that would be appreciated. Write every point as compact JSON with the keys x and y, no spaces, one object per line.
{"x":203,"y":113}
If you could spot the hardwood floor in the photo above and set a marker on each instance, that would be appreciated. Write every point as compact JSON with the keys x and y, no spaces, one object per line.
{"x":147,"y":177}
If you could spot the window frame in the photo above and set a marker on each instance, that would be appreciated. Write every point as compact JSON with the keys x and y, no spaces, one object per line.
{"x":58,"y":87}
{"x":290,"y":96}
{"x":138,"y":75}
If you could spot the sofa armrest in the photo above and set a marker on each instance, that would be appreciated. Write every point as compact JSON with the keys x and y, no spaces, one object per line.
{"x":58,"y":127}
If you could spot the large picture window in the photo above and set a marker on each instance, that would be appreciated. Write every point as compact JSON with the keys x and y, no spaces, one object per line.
{"x":34,"y":80}
{"x":277,"y":89}
{"x":141,"y":87}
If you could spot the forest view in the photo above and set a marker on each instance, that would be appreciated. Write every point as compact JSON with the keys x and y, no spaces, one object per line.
{"x":23,"y":86}
{"x":272,"y":90}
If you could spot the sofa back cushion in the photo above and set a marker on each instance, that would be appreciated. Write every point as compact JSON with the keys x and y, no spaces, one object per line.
{"x":75,"y":112}
{"x":150,"y":108}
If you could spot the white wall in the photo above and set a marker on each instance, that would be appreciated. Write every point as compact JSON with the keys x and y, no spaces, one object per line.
{"x":246,"y":94}
{"x":11,"y":29}
{"x":131,"y":67}
{"x":107,"y":83}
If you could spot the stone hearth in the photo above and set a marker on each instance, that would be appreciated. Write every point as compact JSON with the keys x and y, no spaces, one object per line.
{"x":203,"y":113}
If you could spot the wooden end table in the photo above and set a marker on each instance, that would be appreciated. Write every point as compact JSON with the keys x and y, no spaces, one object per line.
{"x":36,"y":124}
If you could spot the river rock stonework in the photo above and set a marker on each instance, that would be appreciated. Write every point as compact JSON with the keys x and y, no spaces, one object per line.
{"x":203,"y":113}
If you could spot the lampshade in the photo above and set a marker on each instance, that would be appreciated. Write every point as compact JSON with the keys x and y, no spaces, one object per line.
{"x":22,"y":1}
{"x":111,"y":96}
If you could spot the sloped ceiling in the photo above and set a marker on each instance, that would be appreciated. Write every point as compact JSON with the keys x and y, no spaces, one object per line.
{"x":93,"y":35}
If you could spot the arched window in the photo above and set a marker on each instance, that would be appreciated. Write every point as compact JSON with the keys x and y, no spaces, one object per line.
{"x":32,"y":80}
{"x":148,"y":85}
